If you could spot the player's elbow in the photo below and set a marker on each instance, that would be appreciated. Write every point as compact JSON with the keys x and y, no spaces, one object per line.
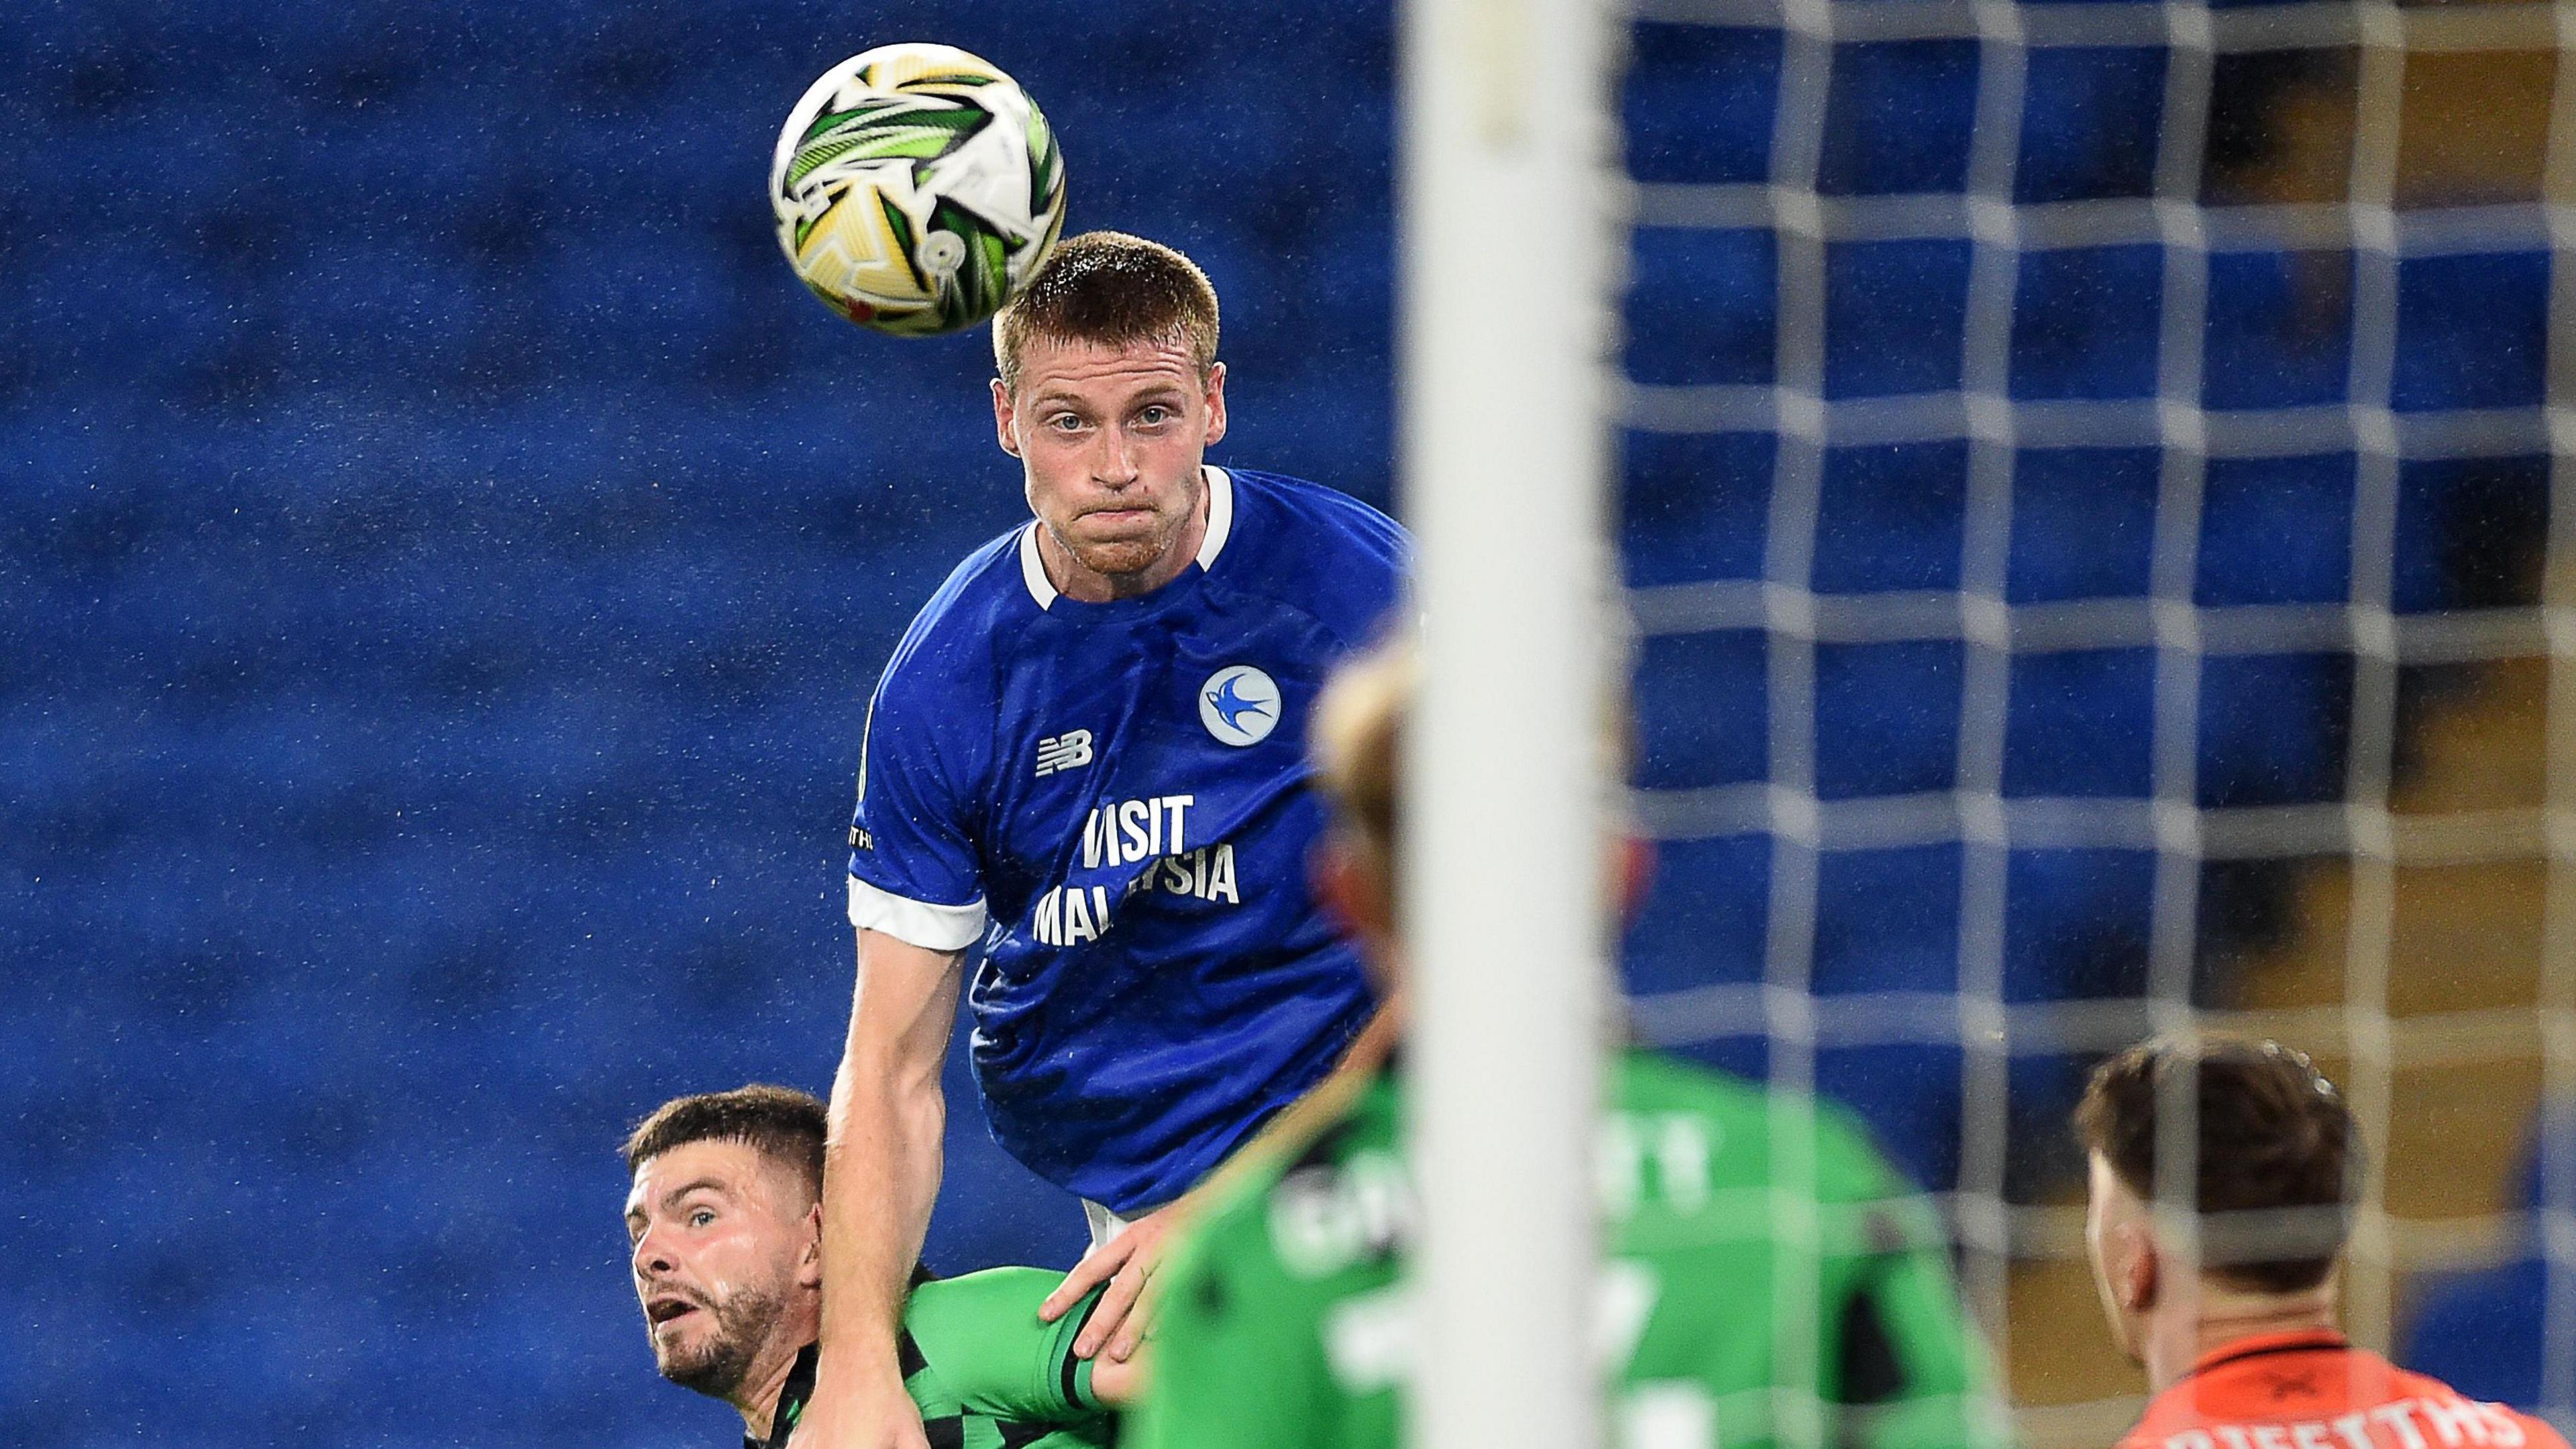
{"x":896,"y":1063}
{"x":877,"y":1099}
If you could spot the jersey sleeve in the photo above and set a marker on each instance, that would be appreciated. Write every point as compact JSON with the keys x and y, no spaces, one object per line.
{"x":1237,"y":1358}
{"x":980,"y":1333}
{"x":1368,"y":596}
{"x":913,"y":865}
{"x":1904,"y":1367}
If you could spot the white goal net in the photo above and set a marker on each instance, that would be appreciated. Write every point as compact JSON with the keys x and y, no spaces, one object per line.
{"x":2089,"y":484}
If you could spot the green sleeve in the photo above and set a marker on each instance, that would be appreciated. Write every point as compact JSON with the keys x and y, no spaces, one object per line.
{"x":980,"y":1334}
{"x":1911,"y":1372}
{"x":1237,"y":1360}
{"x":1906,"y":1366}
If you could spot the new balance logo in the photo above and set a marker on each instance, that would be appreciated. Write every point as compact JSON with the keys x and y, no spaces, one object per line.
{"x":1068,"y":751}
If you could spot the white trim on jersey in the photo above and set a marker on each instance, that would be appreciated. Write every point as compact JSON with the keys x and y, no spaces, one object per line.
{"x":1033,"y":568}
{"x":919,"y":923}
{"x":1105,"y":1224}
{"x":1220,"y":515}
{"x":1220,"y":527}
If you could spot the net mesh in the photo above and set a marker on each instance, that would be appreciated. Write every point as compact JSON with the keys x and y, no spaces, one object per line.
{"x":2075,"y":455}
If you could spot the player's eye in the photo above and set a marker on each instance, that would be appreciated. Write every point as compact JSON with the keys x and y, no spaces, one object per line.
{"x":700,"y":1217}
{"x":1154,"y":416}
{"x":1065,"y":423}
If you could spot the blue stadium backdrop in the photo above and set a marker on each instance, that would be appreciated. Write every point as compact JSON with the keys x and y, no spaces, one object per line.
{"x":446,"y":557}
{"x":443,"y":555}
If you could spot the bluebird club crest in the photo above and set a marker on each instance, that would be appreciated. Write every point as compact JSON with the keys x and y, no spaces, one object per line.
{"x":1239,"y":705}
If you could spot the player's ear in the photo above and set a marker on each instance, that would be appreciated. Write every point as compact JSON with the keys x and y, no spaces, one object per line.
{"x":1634,"y":864}
{"x":2142,"y":1274}
{"x":1004,"y":415}
{"x":1349,"y":893}
{"x":1216,"y":401}
{"x":809,"y":1257}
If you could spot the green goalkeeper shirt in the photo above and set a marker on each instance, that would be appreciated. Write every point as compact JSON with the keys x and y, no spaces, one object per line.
{"x":984,"y":1371}
{"x":1284,"y":1323}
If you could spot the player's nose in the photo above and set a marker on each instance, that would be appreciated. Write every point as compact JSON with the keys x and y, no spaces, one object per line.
{"x":649,"y":1257}
{"x":1114,"y":464}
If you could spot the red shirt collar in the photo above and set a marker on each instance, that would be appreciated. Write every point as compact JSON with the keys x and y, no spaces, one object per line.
{"x":2254,"y":1345}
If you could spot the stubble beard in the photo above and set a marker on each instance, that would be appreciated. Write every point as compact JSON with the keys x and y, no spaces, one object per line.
{"x":1125,"y":557}
{"x":716,"y":1364}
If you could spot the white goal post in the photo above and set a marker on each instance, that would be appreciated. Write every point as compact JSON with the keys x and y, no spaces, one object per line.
{"x":1507,"y":146}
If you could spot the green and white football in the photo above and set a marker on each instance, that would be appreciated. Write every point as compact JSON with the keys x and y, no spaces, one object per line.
{"x":916,"y":189}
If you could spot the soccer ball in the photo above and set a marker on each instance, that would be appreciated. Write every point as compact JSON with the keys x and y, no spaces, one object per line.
{"x":916,"y":189}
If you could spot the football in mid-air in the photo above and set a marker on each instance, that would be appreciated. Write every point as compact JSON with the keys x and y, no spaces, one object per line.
{"x":916,"y":188}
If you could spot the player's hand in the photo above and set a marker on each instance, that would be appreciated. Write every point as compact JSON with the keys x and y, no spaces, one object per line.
{"x":1121,"y":1384}
{"x":1126,"y":1263}
{"x":857,"y":1410}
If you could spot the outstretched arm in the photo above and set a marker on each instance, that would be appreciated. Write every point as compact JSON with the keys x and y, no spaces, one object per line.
{"x":880,"y":1177}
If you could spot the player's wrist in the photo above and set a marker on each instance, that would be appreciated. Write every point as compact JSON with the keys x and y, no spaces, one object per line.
{"x":858,"y":1370}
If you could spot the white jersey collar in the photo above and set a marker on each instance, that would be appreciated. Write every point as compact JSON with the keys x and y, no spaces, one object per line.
{"x":1220,"y":527}
{"x":1220,"y":514}
{"x":1033,"y":568}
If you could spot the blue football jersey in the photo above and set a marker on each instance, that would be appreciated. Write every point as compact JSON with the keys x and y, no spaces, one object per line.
{"x":1113,"y":799}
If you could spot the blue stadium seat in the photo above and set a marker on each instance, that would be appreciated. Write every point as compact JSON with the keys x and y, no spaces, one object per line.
{"x":1701,"y":307}
{"x":2279,"y":330}
{"x":2075,"y":923}
{"x":1695,"y":507}
{"x":1898,"y":117}
{"x":2084,"y":524}
{"x":1700,"y":710}
{"x":1887,"y":718}
{"x":1697,"y":102}
{"x":1891,"y":517}
{"x":2276,"y":530}
{"x":1704,"y":919}
{"x":2079,"y":723}
{"x":2471,"y":331}
{"x":2485,"y":1332}
{"x":2090,"y":116}
{"x":2085,"y":323}
{"x":2273,"y":728}
{"x":2467,"y":530}
{"x":1874,"y":290}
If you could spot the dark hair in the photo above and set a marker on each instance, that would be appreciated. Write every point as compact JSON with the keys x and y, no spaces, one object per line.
{"x":1110,"y":288}
{"x":2275,"y":1140}
{"x":781,"y":1122}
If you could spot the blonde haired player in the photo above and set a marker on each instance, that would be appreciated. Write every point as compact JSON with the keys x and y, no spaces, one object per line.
{"x":1086,"y":757}
{"x":1285,"y":1322}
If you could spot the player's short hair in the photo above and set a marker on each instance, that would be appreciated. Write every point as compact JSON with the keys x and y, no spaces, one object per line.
{"x":1356,"y":738}
{"x":1113,"y":289}
{"x":782,"y":1123}
{"x":2277,"y":1152}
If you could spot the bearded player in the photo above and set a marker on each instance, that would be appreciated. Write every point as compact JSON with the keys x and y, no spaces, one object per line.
{"x":723,"y":1211}
{"x":1087,"y":758}
{"x":2236,"y":1330}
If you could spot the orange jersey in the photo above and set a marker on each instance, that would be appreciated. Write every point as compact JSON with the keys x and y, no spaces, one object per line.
{"x":2313,"y":1390}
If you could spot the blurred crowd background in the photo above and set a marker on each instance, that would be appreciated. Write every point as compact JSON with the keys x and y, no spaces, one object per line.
{"x":444,"y":557}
